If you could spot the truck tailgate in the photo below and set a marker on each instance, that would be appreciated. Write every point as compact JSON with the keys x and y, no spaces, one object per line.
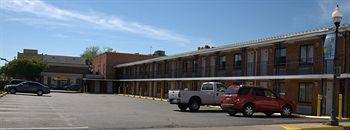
{"x":173,"y":94}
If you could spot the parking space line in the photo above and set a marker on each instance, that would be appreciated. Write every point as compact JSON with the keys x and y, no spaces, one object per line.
{"x":49,"y":128}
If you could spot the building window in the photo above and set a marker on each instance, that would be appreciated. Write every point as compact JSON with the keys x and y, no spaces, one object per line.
{"x":222,"y":61}
{"x":306,"y":54}
{"x":194,"y":65}
{"x":184,"y":66}
{"x":280,"y":56}
{"x":237,"y":61}
{"x":305,"y":92}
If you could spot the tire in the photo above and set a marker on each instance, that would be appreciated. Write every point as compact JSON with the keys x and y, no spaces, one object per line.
{"x":268,"y":113}
{"x":39,"y":92}
{"x":194,"y":105}
{"x":248,"y":110}
{"x":232,"y":113}
{"x":286,"y":111}
{"x":182,"y":106}
{"x":12,"y":91}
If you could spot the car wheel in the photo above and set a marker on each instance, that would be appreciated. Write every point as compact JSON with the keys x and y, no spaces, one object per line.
{"x":286,"y":111}
{"x":182,"y":106}
{"x":194,"y":105}
{"x":248,"y":110}
{"x":39,"y":92}
{"x":13,"y":91}
{"x":268,"y":113}
{"x":232,"y":113}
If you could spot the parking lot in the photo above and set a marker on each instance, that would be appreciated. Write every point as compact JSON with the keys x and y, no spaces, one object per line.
{"x":77,"y":110}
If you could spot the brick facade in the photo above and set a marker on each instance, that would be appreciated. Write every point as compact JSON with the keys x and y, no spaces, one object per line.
{"x":248,"y":62}
{"x":103,"y":64}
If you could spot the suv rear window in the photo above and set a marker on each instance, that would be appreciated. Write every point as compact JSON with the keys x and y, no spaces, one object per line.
{"x":14,"y":82}
{"x":240,"y":91}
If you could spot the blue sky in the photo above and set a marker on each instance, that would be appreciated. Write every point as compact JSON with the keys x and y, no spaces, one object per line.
{"x":67,"y":27}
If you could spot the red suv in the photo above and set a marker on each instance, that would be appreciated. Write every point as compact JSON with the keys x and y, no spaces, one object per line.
{"x":255,"y":99}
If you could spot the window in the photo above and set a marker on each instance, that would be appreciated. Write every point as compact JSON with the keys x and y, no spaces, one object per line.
{"x":222,"y":61}
{"x":259,"y":92}
{"x":243,"y":91}
{"x":221,"y":87}
{"x":184,"y":66}
{"x":207,"y":87}
{"x":305,"y":92}
{"x":269,"y":94}
{"x":280,"y":56}
{"x":306,"y":54}
{"x":238,"y":61}
{"x":194,"y":65}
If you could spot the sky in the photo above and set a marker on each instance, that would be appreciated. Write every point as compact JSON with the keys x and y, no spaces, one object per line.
{"x":67,"y":27}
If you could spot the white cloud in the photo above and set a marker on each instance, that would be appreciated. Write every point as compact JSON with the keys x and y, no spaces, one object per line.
{"x":50,"y":12}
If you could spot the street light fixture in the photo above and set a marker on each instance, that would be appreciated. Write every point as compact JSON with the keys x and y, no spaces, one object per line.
{"x":336,"y":16}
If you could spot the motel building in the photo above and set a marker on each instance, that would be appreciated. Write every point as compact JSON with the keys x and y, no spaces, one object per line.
{"x":294,"y":66}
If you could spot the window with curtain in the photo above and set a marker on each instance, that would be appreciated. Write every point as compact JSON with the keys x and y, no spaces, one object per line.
{"x":237,"y":60}
{"x":306,"y":54}
{"x":222,"y":61}
{"x":280,"y":56}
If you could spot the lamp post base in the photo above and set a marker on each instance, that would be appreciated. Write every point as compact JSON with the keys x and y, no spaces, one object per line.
{"x":332,"y":123}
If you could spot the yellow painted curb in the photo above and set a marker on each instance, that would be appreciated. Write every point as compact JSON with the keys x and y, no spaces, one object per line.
{"x":3,"y":94}
{"x":143,"y":97}
{"x":210,"y":106}
{"x":313,"y":128}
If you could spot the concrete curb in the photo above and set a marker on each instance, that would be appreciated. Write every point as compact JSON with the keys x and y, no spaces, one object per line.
{"x":315,"y":127}
{"x":144,"y":97}
{"x":299,"y":115}
{"x":3,"y":94}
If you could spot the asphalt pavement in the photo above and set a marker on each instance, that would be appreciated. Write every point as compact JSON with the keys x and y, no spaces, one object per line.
{"x":97,"y":111}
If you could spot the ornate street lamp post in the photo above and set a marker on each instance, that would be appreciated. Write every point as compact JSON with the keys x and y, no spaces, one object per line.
{"x":336,"y":16}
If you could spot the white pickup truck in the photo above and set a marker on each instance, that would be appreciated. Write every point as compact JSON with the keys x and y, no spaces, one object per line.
{"x":209,"y":95}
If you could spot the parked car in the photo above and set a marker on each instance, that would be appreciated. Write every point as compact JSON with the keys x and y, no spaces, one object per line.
{"x":209,"y":95}
{"x":28,"y":87}
{"x":16,"y":81}
{"x":75,"y":87}
{"x":249,"y":100}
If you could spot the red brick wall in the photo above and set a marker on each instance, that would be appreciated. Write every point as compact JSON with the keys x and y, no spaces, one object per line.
{"x":105,"y":62}
{"x":65,"y":69}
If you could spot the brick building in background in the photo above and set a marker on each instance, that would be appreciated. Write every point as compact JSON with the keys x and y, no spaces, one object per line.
{"x":101,"y":81}
{"x":61,"y":70}
{"x":291,"y":65}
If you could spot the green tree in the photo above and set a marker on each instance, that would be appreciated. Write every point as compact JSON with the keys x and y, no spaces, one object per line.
{"x":91,"y":52}
{"x":28,"y":68}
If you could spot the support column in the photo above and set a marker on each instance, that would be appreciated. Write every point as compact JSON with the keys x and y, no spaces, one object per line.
{"x":97,"y":87}
{"x":150,"y":89}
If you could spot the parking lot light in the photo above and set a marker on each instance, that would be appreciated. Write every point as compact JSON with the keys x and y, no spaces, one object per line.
{"x":337,"y":17}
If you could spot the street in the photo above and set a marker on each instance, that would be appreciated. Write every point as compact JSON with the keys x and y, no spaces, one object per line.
{"x":77,"y":110}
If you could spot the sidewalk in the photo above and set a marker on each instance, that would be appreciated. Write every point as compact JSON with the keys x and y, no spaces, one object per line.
{"x":306,"y":126}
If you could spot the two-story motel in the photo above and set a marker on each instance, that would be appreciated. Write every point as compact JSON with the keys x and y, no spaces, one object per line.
{"x":292,"y":65}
